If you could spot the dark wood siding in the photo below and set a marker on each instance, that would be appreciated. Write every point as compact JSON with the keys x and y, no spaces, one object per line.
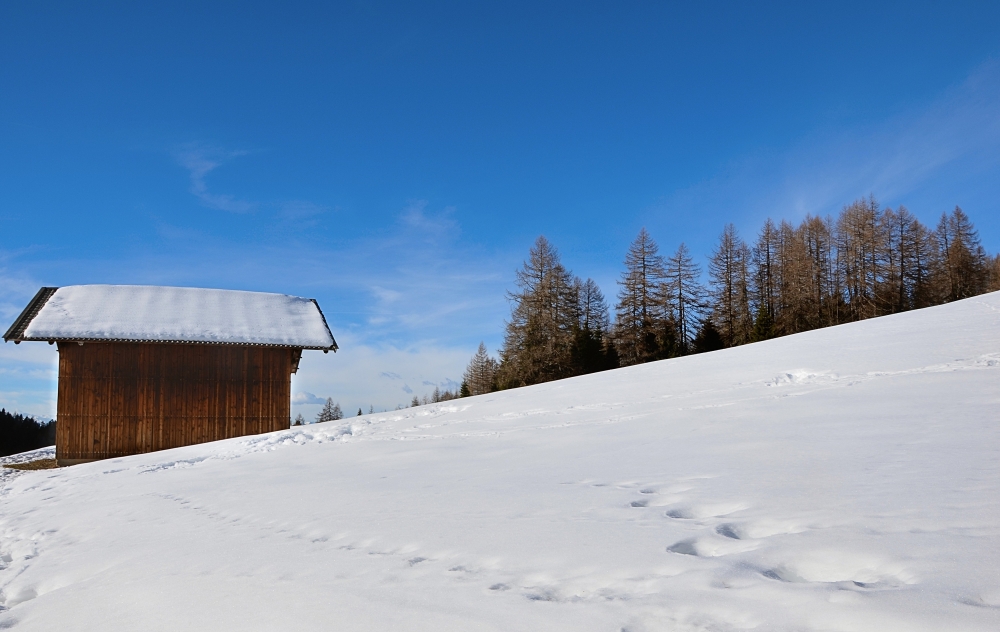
{"x":117,"y":399}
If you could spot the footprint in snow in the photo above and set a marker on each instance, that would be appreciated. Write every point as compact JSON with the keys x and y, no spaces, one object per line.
{"x":757,"y":529}
{"x":728,"y":531}
{"x":698,"y":512}
{"x":710,"y":546}
{"x":844,"y":570}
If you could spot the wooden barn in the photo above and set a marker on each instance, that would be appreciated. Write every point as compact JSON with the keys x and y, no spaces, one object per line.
{"x":144,"y":368}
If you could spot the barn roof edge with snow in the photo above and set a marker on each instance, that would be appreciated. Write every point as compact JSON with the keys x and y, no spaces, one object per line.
{"x":159,"y":314}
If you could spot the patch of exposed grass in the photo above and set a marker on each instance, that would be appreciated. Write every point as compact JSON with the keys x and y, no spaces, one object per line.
{"x":40,"y":464}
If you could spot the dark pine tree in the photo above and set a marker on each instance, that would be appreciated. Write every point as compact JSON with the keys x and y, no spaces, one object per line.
{"x":588,"y":351}
{"x":708,"y":338}
{"x":763,"y":326}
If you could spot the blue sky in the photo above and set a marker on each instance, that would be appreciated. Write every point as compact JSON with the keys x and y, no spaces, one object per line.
{"x":396,"y":160}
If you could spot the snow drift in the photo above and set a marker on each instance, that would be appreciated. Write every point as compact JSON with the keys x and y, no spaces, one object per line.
{"x":841,"y":479}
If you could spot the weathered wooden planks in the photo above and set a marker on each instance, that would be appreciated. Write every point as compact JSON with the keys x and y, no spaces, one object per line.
{"x":116,"y":399}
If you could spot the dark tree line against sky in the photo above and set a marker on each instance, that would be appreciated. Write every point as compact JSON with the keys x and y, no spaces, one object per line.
{"x":868,"y":261}
{"x":20,"y":433}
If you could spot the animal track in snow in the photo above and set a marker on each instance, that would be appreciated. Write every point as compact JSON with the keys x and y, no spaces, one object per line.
{"x":702,"y":511}
{"x":802,"y":376}
{"x":847,"y":569}
{"x":807,"y":376}
{"x":711,"y":546}
{"x":729,"y":531}
{"x":757,"y":529}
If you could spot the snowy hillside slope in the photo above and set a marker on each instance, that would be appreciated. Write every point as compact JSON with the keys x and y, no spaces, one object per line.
{"x":841,"y":479}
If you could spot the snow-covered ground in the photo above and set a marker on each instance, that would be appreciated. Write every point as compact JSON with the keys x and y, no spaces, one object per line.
{"x":842,"y":479}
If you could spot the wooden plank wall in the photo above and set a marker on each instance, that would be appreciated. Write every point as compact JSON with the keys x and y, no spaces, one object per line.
{"x":117,"y":399}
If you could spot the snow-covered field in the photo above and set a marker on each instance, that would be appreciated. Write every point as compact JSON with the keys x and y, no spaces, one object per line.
{"x":843,"y":479}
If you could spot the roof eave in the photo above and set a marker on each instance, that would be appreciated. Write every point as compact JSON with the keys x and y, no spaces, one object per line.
{"x":16,"y":331}
{"x":52,"y":340}
{"x":334,"y":346}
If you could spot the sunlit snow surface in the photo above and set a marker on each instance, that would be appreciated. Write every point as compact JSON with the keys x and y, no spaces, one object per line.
{"x":843,"y":479}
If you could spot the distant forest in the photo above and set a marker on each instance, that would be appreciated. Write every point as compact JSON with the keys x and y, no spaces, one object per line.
{"x":868,"y":261}
{"x":19,"y":433}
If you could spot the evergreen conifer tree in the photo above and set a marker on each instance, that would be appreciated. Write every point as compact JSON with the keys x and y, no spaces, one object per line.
{"x":994,"y":274}
{"x":962,"y":257}
{"x":642,"y":331}
{"x":592,"y":346}
{"x":729,"y":292}
{"x":763,"y":326}
{"x":683,"y":296}
{"x":539,"y":335}
{"x":330,"y":411}
{"x":765,"y":264}
{"x":480,"y":376}
{"x":708,"y":338}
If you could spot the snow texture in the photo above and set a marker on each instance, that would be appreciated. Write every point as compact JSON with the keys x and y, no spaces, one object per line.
{"x":180,"y":314}
{"x":841,"y":479}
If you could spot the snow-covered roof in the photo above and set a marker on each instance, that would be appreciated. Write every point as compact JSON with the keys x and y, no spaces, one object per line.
{"x":146,"y":313}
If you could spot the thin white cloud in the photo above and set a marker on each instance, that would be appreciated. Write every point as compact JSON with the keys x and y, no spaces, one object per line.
{"x":200,"y":161}
{"x":306,"y":398}
{"x":419,"y":224}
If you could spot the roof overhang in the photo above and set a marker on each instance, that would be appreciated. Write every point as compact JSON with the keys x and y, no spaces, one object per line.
{"x":17,"y":331}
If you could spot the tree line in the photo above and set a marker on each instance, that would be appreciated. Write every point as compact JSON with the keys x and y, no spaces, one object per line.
{"x":868,"y":261}
{"x":20,"y":433}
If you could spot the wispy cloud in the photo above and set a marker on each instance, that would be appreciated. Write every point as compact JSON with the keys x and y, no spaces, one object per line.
{"x":929,"y":158}
{"x":300,"y":210}
{"x":307,"y":398}
{"x":420,"y":224}
{"x":353,"y":375}
{"x":200,"y":160}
